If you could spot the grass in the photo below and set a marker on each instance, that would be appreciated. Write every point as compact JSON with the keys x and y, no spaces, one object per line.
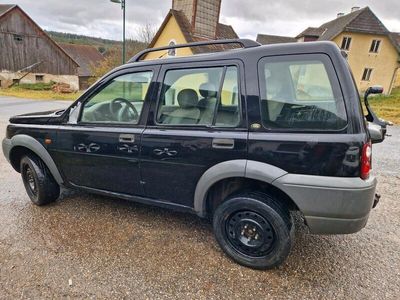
{"x":33,"y":91}
{"x":37,"y":86}
{"x":387,"y":107}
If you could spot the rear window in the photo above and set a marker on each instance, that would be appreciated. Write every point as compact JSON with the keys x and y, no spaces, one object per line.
{"x":300,"y":92}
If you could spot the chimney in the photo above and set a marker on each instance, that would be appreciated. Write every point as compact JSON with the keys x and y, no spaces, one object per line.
{"x":355,"y":8}
{"x":340,"y":15}
{"x":203,"y":15}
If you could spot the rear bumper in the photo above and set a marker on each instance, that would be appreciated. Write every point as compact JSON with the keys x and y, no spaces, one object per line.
{"x":7,"y":145}
{"x":331,"y":205}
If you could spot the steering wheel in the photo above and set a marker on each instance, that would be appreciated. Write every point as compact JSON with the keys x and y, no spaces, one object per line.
{"x":121,"y":111}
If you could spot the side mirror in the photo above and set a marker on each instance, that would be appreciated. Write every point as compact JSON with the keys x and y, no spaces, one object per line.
{"x":377,"y":89}
{"x":371,"y":116}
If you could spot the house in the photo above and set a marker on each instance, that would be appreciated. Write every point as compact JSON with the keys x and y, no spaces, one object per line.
{"x":373,"y":51}
{"x":29,"y":55}
{"x":395,"y":36}
{"x":191,"y":21}
{"x":87,"y":57}
{"x":267,"y":39}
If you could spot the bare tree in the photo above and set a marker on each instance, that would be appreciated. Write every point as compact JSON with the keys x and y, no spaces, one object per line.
{"x":146,"y":33}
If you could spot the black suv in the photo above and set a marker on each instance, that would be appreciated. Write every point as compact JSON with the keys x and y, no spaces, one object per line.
{"x":243,"y":136}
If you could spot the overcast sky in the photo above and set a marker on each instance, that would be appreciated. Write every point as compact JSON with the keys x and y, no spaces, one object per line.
{"x":101,"y":18}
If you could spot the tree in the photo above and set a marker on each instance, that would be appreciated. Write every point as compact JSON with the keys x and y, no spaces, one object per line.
{"x":146,"y":33}
{"x":113,"y":57}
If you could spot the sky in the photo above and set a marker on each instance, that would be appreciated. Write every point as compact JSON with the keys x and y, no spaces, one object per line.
{"x":102,"y":18}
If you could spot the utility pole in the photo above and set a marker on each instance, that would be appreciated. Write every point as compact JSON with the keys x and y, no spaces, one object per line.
{"x":123,"y":6}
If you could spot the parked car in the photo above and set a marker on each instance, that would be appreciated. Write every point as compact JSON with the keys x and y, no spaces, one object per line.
{"x":242,"y":136}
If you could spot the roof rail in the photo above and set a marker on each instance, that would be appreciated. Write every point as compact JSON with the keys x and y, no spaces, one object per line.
{"x":245,"y":43}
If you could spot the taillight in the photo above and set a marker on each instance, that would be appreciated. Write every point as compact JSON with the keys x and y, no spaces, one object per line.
{"x":366,"y":159}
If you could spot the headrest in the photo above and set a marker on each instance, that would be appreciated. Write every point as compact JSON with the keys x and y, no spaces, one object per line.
{"x":208,"y":90}
{"x":188,"y":98}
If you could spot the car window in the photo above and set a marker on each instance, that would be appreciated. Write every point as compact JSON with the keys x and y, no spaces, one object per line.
{"x":301,"y":93}
{"x":201,"y":96}
{"x":121,"y":101}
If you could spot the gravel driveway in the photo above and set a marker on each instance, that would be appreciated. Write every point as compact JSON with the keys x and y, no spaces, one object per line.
{"x":86,"y":246}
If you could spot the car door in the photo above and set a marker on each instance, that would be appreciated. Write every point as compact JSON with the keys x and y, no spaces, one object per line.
{"x":101,"y":151}
{"x":197,"y":122}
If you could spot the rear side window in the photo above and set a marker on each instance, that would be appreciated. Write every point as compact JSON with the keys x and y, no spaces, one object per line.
{"x":200,"y":96}
{"x":300,"y":92}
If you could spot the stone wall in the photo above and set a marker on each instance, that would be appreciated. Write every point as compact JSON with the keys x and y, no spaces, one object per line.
{"x":6,"y":79}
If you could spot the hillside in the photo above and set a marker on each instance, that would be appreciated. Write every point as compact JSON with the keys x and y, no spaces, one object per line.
{"x":101,"y":44}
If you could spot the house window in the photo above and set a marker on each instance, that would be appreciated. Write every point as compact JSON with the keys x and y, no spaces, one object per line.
{"x":39,"y":78}
{"x":18,"y":38}
{"x":375,"y":46}
{"x":346,"y":43}
{"x":172,"y":52}
{"x":367,"y":74}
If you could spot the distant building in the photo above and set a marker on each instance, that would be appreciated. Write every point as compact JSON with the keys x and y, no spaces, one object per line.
{"x":191,"y":21}
{"x":87,"y":57}
{"x":267,"y":39}
{"x":373,"y":51}
{"x":29,"y":55}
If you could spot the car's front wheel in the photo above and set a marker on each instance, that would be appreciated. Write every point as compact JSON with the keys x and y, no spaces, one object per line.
{"x":40,"y":185}
{"x":254,"y":229}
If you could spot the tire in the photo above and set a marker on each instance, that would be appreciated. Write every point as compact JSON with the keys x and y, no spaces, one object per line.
{"x":254,"y":229}
{"x":40,"y":185}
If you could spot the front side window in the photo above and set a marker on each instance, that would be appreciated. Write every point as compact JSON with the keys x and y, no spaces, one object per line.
{"x":301,"y":92}
{"x":375,"y":46}
{"x":201,"y":96}
{"x":346,"y":43}
{"x":121,"y":101}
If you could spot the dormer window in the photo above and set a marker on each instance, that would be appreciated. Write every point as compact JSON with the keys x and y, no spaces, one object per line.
{"x":346,"y":43}
{"x":375,"y":46}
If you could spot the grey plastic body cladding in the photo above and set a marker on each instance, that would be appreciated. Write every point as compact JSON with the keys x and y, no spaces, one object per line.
{"x":229,"y":169}
{"x":330,"y":205}
{"x":30,"y":143}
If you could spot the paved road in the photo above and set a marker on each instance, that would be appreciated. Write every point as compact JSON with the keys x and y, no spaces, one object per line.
{"x":110,"y":248}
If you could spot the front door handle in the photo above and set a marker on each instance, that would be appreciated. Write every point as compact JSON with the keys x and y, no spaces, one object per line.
{"x":223,"y":143}
{"x":126,"y":138}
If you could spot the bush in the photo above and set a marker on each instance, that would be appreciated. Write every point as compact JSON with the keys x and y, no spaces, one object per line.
{"x":37,"y":86}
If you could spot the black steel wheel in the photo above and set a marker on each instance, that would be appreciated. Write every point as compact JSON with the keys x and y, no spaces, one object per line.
{"x":38,"y":181}
{"x":250,"y":233}
{"x":254,"y":229}
{"x":28,"y":177}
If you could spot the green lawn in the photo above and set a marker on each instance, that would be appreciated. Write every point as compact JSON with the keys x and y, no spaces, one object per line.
{"x":387,"y":107}
{"x":32,"y":93}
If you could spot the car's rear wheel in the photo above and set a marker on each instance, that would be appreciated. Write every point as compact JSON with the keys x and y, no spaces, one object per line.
{"x":40,"y":185}
{"x":254,"y":229}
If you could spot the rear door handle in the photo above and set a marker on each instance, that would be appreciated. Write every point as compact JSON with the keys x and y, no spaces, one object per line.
{"x":126,"y":138}
{"x":223,"y":143}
